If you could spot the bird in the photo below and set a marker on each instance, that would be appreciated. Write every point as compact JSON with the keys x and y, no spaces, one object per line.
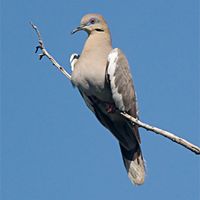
{"x":102,"y":75}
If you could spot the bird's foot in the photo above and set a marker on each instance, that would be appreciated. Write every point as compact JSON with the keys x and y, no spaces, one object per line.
{"x":110,"y":108}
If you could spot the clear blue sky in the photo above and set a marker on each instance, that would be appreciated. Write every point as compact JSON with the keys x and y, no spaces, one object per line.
{"x":52,"y":147}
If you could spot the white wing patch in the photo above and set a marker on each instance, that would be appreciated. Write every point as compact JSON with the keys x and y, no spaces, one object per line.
{"x":112,"y":59}
{"x":73,"y":59}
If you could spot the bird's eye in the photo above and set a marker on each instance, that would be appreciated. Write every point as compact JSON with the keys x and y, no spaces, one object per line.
{"x":92,"y":21}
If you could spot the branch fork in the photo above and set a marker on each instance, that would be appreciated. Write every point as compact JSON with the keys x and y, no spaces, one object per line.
{"x":195,"y":149}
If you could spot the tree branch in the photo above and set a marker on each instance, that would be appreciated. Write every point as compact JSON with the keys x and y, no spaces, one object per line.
{"x":148,"y":127}
{"x":46,"y":53}
{"x":164,"y":133}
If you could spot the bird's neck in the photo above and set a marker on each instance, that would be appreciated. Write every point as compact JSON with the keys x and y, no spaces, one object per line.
{"x":98,"y":42}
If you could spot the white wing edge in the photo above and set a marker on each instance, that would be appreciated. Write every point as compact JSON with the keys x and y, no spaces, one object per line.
{"x":112,"y":66}
{"x":73,"y":59}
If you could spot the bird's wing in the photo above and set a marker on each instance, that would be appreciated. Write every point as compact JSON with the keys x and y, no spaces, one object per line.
{"x":73,"y":59}
{"x":121,"y":84}
{"x":119,"y":77}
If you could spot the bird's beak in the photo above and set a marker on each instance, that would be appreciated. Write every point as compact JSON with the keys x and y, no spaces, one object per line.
{"x":79,"y":28}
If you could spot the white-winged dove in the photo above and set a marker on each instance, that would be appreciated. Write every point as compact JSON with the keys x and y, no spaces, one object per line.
{"x":102,"y":76}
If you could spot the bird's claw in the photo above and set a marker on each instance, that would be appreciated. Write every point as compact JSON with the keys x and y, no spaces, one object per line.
{"x":110,"y":108}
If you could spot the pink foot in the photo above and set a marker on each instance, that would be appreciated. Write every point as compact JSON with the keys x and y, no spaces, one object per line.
{"x":110,"y":108}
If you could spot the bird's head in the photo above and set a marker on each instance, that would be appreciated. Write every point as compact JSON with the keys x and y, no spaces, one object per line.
{"x":92,"y":23}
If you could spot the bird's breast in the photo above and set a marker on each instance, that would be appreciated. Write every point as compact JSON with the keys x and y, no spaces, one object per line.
{"x":91,"y":80}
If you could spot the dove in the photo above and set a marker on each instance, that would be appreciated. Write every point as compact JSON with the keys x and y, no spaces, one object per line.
{"x":102,"y":75}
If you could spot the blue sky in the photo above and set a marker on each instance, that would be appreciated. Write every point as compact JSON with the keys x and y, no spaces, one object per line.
{"x":52,"y":147}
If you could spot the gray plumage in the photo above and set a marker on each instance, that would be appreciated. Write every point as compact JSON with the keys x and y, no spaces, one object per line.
{"x":102,"y":76}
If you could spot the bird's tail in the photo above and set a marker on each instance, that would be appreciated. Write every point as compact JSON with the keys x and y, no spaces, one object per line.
{"x":134,"y":163}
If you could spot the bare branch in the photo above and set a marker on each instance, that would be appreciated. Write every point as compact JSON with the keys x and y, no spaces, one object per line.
{"x":164,"y":133}
{"x":46,"y":53}
{"x":148,"y":127}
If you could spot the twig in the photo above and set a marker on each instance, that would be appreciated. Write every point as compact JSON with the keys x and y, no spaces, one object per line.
{"x":46,"y":53}
{"x":148,"y":127}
